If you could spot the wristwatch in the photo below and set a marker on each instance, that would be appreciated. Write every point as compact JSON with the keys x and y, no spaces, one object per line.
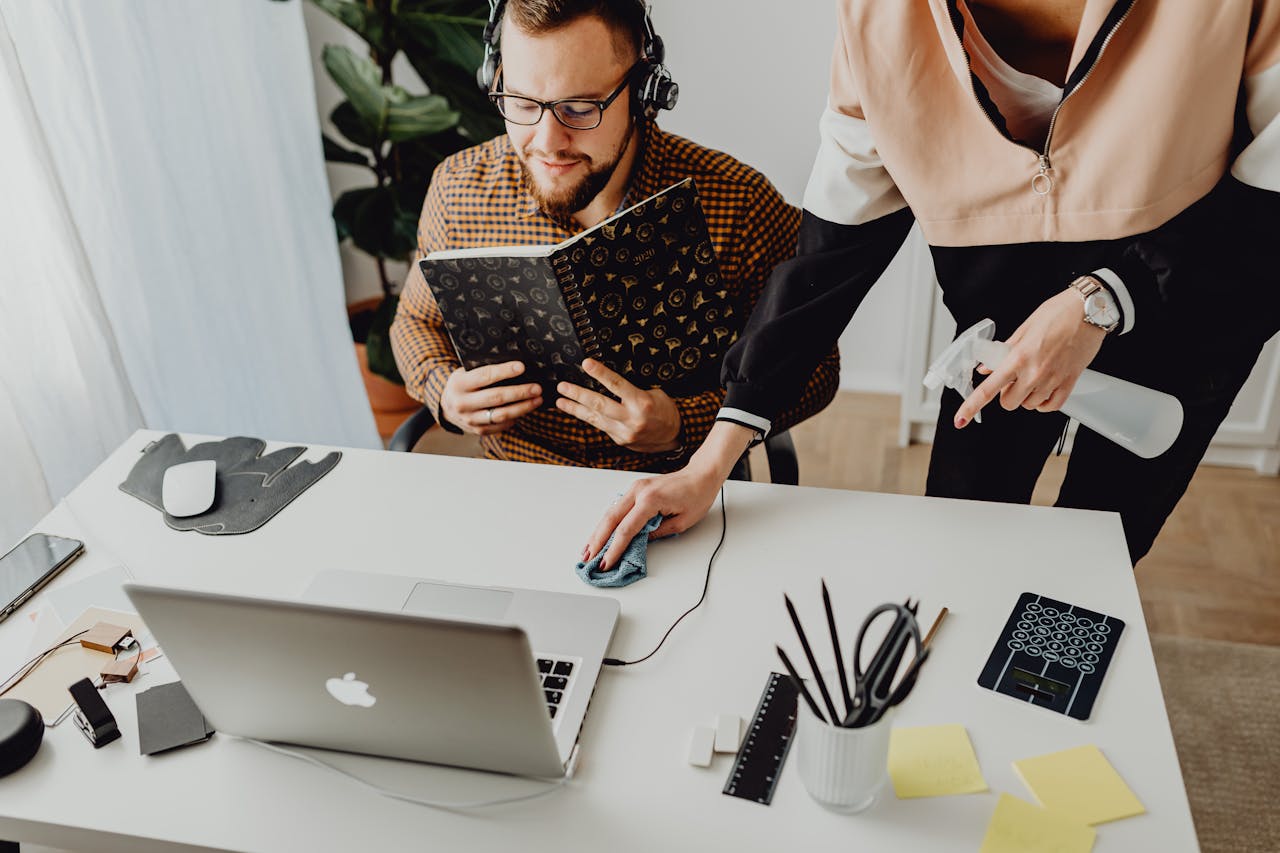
{"x":1099,"y":305}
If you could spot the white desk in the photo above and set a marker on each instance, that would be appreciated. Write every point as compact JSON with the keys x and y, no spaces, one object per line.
{"x":522,"y":525}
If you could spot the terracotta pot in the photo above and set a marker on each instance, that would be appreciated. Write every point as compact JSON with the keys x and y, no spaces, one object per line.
{"x":390,"y":403}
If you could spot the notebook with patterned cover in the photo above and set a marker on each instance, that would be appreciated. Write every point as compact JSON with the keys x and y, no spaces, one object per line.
{"x":640,"y":292}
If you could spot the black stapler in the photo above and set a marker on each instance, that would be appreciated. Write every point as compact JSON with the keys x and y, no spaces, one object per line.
{"x":92,"y":716}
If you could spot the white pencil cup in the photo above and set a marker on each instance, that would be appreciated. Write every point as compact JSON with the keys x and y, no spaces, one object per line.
{"x":842,"y":769}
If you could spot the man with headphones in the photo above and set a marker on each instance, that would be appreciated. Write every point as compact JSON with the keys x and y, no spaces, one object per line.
{"x":579,"y":83}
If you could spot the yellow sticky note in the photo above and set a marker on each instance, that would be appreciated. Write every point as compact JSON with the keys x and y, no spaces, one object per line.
{"x":931,"y":761}
{"x":1079,"y":783}
{"x":1019,"y":827}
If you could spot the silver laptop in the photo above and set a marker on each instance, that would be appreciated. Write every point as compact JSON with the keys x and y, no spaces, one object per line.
{"x":489,"y":678}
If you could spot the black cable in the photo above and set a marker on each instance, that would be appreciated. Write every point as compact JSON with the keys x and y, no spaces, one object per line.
{"x":724,"y":526}
{"x":30,"y":666}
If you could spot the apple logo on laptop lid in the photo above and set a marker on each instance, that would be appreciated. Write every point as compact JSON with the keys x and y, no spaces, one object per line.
{"x":350,"y":691}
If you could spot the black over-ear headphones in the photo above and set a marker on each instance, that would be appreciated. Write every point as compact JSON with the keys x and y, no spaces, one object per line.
{"x":652,"y":90}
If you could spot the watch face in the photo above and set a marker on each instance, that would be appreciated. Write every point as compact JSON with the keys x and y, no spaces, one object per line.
{"x":1100,"y":310}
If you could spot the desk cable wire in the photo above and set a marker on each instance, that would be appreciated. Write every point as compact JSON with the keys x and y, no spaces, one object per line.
{"x":30,"y":666}
{"x":551,"y":784}
{"x":724,"y":526}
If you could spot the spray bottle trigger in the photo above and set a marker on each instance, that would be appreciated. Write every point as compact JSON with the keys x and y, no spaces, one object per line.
{"x":954,"y":367}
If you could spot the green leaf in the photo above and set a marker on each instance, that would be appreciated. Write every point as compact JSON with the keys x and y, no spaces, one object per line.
{"x":350,"y":125}
{"x":410,"y":117}
{"x":376,"y":223}
{"x":373,"y":227}
{"x":335,"y":153}
{"x":409,"y":199}
{"x":361,"y":81}
{"x":418,"y":158}
{"x":344,"y":210}
{"x":378,"y":343}
{"x":478,"y":120}
{"x":387,"y":112}
{"x":448,"y":38}
{"x":360,"y":19}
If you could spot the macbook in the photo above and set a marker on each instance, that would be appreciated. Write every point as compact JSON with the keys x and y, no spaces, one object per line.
{"x":491,"y":678}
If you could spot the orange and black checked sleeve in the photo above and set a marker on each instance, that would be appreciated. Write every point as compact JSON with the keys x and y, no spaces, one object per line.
{"x":770,"y":228}
{"x":421,"y":345}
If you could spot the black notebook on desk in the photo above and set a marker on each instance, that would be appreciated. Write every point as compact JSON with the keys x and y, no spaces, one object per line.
{"x":640,"y":292}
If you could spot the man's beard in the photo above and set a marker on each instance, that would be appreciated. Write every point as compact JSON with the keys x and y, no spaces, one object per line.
{"x":564,"y":202}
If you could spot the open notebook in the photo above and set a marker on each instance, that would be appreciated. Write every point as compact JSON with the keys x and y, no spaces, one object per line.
{"x":640,"y":292}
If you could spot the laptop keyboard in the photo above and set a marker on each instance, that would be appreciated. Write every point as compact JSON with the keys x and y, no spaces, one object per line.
{"x":554,"y":675}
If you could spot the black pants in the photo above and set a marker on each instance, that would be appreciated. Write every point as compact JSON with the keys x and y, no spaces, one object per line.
{"x":1001,"y":458}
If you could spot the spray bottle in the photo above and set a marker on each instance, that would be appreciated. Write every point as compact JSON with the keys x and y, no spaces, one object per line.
{"x":1139,"y":419}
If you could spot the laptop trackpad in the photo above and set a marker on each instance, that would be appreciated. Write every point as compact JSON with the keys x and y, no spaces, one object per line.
{"x":443,"y":599}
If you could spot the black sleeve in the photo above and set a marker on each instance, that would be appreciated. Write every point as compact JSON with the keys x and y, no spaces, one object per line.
{"x":1216,"y":266}
{"x":1214,"y":270}
{"x":805,"y":306}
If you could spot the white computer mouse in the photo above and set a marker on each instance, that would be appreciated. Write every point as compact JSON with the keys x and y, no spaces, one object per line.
{"x":189,"y":487}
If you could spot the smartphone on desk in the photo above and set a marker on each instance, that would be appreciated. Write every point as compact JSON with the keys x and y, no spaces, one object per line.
{"x":31,"y":564}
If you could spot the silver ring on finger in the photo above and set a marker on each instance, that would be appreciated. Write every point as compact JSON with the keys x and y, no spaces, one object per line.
{"x":488,"y":413}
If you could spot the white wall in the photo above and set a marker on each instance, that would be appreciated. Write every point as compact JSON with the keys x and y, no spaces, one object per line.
{"x":753,"y":81}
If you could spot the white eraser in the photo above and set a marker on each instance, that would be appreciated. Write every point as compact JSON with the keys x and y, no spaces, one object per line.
{"x":728,"y":732}
{"x":700,"y":746}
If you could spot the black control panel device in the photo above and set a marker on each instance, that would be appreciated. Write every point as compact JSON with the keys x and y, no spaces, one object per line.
{"x":1052,"y":654}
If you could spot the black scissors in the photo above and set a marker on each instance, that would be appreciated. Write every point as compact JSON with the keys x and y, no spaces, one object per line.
{"x":874,"y":688}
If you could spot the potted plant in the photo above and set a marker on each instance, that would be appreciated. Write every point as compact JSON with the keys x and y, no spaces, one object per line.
{"x":400,"y":138}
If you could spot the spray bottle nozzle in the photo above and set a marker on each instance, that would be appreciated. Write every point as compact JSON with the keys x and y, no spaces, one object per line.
{"x":954,"y":368}
{"x":1141,"y":420}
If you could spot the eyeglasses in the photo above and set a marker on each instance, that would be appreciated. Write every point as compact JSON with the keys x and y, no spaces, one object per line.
{"x":573,"y":113}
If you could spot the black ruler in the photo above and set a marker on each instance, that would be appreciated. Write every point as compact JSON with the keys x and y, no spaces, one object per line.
{"x":764,"y":750}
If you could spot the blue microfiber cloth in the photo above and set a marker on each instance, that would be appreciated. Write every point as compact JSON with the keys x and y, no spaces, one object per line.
{"x":630,"y":568}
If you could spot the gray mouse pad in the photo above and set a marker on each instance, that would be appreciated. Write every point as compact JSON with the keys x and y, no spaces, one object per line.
{"x":251,"y":488}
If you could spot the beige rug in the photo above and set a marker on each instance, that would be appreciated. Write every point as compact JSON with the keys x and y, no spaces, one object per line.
{"x":1224,"y":707}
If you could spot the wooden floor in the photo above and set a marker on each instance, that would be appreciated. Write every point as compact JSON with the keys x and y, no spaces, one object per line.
{"x":1214,"y":572}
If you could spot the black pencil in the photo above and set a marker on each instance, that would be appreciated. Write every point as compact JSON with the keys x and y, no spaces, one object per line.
{"x":835,"y":648}
{"x":813,"y":663}
{"x":800,"y":688}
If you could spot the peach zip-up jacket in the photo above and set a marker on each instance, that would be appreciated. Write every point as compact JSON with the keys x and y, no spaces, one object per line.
{"x":1160,"y":174}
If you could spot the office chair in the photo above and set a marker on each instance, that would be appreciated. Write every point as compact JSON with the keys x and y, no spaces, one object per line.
{"x":779,"y":449}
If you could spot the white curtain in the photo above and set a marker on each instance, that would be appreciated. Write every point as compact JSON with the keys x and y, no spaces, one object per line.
{"x":167,"y":258}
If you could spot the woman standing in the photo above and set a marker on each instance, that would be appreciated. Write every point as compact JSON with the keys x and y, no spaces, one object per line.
{"x":1100,"y":177}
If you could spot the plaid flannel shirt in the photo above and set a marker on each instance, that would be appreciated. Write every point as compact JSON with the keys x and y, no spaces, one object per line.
{"x":478,"y":197}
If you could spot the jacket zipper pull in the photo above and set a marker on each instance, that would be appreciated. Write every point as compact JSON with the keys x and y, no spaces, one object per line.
{"x":1042,"y":182}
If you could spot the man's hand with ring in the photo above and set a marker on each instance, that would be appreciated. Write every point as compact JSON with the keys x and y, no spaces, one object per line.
{"x":475,"y":404}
